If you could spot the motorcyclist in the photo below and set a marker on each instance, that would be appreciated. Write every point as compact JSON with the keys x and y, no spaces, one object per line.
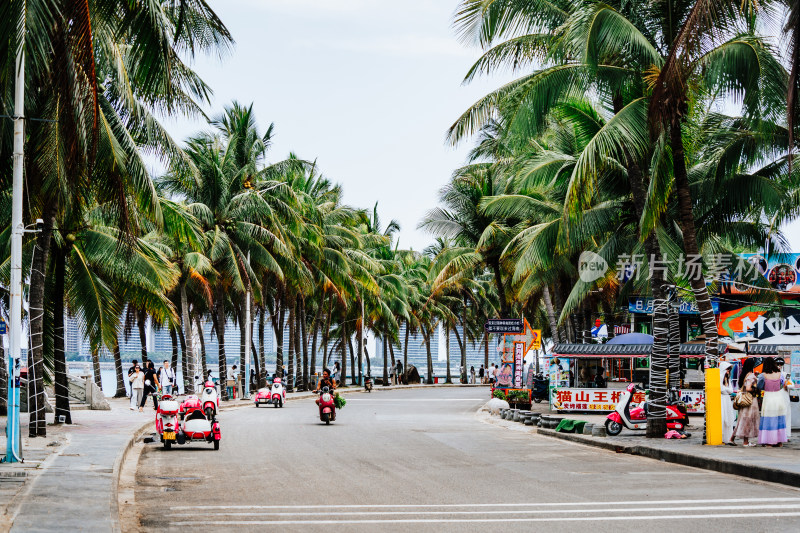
{"x":325,"y":381}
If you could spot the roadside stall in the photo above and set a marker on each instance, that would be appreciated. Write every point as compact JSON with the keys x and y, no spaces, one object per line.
{"x":602,"y":371}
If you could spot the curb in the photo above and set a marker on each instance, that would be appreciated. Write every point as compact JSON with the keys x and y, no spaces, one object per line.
{"x":760,"y":473}
{"x":121,"y":456}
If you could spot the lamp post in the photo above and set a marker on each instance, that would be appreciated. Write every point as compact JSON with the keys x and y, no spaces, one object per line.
{"x":14,"y":443}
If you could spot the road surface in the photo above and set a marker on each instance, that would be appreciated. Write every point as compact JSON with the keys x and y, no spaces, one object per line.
{"x":422,"y":458}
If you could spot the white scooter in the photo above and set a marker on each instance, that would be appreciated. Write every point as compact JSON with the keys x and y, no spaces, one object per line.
{"x":209,"y":398}
{"x":278,"y":393}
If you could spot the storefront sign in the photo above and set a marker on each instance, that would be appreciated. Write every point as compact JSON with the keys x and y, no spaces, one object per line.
{"x":645,"y":306}
{"x":569,"y":399}
{"x":590,"y":399}
{"x":695,"y":401}
{"x":795,"y":368}
{"x":519,"y":348}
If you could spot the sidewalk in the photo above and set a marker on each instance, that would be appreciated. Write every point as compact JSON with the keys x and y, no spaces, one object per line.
{"x":777,"y":465}
{"x":69,"y":478}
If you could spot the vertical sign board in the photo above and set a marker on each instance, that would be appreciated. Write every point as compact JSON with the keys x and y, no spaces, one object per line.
{"x":519,"y":362}
{"x":795,"y":368}
{"x":2,"y":326}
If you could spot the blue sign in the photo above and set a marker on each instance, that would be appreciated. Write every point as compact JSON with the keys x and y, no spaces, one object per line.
{"x":645,"y":306}
{"x":2,"y":327}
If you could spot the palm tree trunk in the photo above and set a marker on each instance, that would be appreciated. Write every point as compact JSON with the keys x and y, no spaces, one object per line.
{"x":385,"y":359}
{"x":501,"y":293}
{"x":173,"y":337}
{"x":551,"y":314}
{"x":201,"y":336}
{"x":298,"y":348}
{"x":98,"y":379}
{"x":448,"y":379}
{"x":344,"y":352}
{"x":261,"y":376}
{"x":277,"y":319}
{"x":59,"y":357}
{"x":290,"y":376}
{"x":242,"y":335}
{"x":141,"y":320}
{"x":187,"y":333}
{"x":37,"y":425}
{"x":353,"y":376}
{"x":314,"y":342}
{"x":220,"y":324}
{"x":391,"y":358}
{"x":674,"y":349}
{"x":326,"y":334}
{"x":187,"y":379}
{"x":427,"y":336}
{"x":486,"y":351}
{"x":121,"y":392}
{"x":405,"y":349}
{"x":304,"y":334}
{"x":657,"y":404}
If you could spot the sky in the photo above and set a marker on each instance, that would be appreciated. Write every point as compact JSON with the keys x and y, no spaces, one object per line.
{"x":368,"y":88}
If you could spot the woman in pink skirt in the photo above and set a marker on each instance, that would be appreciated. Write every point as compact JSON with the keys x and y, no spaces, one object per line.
{"x":748,"y":421}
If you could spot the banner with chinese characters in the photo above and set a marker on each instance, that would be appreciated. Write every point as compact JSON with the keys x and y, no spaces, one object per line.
{"x":569,"y":399}
{"x":519,"y":362}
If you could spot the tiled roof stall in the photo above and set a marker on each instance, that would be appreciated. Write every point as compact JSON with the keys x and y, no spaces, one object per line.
{"x":619,"y":350}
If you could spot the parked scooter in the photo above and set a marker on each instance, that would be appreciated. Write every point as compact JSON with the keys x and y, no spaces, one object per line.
{"x":636,"y":418}
{"x":196,"y":425}
{"x":209,"y":398}
{"x":167,"y":425}
{"x":327,"y":406}
{"x":278,"y":393}
{"x":368,"y":384}
{"x":541,"y":389}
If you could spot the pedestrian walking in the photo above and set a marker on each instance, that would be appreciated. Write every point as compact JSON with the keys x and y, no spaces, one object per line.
{"x":231,"y":385}
{"x":495,"y":371}
{"x":150,"y":386}
{"x":472,"y":375}
{"x":134,"y":402}
{"x":726,"y":389}
{"x":136,"y":379}
{"x":772,"y":426}
{"x":749,"y":416}
{"x":481,"y":374}
{"x":786,"y":400}
{"x":166,"y":376}
{"x":337,"y":372}
{"x":392,"y":371}
{"x":399,"y":372}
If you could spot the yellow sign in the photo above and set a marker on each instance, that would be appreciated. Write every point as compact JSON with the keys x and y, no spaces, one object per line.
{"x":536,"y":340}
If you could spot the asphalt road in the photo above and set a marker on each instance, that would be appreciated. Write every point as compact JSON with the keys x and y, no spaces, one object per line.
{"x":422,"y":458}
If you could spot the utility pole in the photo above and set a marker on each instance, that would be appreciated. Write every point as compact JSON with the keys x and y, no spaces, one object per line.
{"x":14,"y":443}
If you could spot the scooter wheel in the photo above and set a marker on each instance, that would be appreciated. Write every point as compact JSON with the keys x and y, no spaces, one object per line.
{"x":216,"y":445}
{"x":209,"y":413}
{"x":167,"y":444}
{"x":538,"y":400}
{"x":256,"y":405}
{"x":613,"y":428}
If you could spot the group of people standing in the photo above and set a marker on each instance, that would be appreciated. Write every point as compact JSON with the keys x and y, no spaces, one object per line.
{"x":762,"y":403}
{"x":146,"y":381}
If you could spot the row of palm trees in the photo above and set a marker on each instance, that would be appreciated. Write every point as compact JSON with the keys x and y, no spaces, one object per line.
{"x":659,"y":129}
{"x":120,"y":247}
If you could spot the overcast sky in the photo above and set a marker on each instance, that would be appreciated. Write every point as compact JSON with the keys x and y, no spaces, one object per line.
{"x":366,"y":87}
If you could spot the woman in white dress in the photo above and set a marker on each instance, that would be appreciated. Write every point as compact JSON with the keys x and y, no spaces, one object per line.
{"x":726,"y":389}
{"x":780,"y":362}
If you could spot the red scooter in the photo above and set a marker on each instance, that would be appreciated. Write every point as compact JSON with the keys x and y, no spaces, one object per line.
{"x":167,"y":424}
{"x":636,"y":418}
{"x":327,"y":406}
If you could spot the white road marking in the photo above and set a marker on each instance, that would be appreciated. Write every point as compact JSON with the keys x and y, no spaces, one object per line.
{"x":482,"y":520}
{"x":506,"y":511}
{"x":504,"y":504}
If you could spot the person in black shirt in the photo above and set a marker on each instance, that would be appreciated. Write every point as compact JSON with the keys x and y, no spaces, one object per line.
{"x":150,"y":386}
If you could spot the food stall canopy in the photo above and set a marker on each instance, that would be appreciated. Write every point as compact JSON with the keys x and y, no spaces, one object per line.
{"x":619,"y":350}
{"x":771,"y":349}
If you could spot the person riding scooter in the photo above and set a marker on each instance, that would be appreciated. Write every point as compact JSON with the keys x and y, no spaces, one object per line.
{"x":325,"y":381}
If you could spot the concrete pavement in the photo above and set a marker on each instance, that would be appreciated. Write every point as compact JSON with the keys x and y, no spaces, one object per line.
{"x":422,"y":459}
